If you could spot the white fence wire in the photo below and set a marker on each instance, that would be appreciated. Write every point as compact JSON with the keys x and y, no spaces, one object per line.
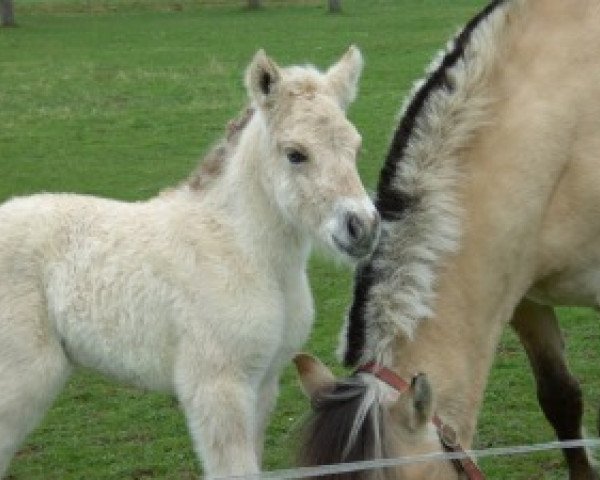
{"x":313,"y":472}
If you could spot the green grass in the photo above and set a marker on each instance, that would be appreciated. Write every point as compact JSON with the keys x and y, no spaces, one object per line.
{"x":119,"y":98}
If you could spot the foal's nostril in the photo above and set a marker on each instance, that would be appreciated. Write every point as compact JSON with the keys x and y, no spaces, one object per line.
{"x":358,"y":234}
{"x":356,"y":227}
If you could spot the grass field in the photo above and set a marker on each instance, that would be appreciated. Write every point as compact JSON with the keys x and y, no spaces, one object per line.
{"x":120,"y":97}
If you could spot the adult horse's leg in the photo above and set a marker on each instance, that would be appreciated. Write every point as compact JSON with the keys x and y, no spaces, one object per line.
{"x":221,"y":410}
{"x":558,"y":390}
{"x":33,"y":368}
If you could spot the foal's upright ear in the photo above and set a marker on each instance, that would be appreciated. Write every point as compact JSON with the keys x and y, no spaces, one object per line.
{"x":314,"y":375}
{"x":262,"y":78}
{"x":344,"y":75}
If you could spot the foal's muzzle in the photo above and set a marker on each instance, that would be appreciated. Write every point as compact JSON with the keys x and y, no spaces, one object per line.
{"x":360,"y":235}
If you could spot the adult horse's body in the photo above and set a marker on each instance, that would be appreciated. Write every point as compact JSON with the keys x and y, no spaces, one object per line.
{"x":490,"y":199}
{"x":201,"y":291}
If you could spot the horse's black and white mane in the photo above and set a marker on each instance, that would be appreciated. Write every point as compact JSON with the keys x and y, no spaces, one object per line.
{"x":417,"y":190}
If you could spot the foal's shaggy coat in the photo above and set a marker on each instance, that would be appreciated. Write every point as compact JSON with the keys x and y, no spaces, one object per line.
{"x":201,"y":291}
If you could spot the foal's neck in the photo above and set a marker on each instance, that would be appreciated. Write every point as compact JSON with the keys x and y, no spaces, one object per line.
{"x":241,"y":196}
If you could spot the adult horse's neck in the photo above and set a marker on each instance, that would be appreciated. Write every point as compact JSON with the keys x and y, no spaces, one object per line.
{"x":510,"y":169}
{"x":456,"y":346}
{"x":241,"y":195}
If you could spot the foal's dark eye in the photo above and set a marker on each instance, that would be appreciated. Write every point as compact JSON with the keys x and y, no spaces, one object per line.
{"x":295,"y":156}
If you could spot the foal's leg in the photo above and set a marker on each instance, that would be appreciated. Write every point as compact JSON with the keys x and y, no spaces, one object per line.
{"x":221,"y":416}
{"x":558,"y":391}
{"x":267,"y":398}
{"x":33,"y":369}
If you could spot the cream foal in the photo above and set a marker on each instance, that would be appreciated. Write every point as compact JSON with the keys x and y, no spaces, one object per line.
{"x":200,"y":293}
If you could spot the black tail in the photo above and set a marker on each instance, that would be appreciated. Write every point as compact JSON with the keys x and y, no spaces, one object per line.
{"x":346,"y":426}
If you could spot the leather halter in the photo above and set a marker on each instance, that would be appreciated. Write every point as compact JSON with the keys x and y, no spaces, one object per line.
{"x":447,"y":434}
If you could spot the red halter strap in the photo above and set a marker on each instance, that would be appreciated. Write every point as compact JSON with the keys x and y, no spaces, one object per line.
{"x":447,"y":434}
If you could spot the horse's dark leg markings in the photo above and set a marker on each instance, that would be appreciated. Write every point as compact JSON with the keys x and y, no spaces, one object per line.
{"x":558,"y":390}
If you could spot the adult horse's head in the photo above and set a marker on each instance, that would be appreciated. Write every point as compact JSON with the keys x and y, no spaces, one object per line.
{"x":383,"y":417}
{"x":309,"y":151}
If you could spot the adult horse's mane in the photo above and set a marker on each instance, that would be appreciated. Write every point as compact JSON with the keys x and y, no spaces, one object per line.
{"x":416,"y":194}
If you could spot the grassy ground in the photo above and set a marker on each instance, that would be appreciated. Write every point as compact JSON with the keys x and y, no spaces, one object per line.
{"x":120,"y":97}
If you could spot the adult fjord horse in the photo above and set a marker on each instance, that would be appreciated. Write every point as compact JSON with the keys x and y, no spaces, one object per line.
{"x":201,"y":291}
{"x":490,"y":199}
